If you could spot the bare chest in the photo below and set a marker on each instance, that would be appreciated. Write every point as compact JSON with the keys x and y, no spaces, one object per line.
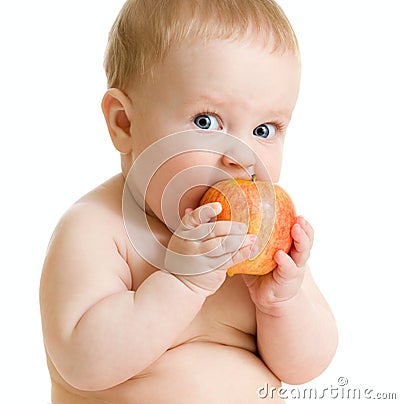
{"x":227,"y":316}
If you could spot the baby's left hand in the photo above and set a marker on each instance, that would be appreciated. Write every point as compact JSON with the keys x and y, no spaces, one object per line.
{"x":284,"y":282}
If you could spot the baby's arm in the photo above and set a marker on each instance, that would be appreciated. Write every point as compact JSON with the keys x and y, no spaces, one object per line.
{"x":98,"y":332}
{"x":94,"y":326}
{"x":296,"y":331}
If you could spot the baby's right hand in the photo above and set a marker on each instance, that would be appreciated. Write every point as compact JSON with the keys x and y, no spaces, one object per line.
{"x":203,"y":249}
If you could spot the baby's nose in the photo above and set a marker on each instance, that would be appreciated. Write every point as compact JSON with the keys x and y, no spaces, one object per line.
{"x":240,"y":158}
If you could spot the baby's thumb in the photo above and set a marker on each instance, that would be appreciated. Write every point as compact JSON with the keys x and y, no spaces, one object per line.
{"x":202,"y":214}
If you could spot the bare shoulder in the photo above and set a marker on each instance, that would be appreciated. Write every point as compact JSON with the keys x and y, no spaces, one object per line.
{"x":96,"y":217}
{"x":102,"y":204}
{"x":85,"y":259}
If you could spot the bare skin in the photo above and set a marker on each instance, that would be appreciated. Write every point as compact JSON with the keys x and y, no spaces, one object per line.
{"x":214,"y":359}
{"x":119,"y":331}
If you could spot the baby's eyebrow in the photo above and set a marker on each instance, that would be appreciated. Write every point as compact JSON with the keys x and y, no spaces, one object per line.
{"x":282,"y":114}
{"x":209,"y":99}
{"x":218,"y":100}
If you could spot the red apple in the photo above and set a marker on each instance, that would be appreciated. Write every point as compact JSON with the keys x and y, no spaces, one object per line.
{"x":267,"y":210}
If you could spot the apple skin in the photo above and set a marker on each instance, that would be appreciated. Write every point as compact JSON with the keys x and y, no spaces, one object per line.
{"x":252,"y":202}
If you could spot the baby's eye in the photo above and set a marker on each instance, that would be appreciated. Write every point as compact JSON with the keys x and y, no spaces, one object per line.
{"x":205,"y":121}
{"x":266,"y":130}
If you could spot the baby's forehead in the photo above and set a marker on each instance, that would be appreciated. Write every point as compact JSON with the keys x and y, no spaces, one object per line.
{"x":216,"y":54}
{"x":146,"y":30}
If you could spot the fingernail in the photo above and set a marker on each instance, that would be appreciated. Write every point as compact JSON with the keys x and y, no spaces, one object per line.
{"x":205,"y":213}
{"x":253,"y":238}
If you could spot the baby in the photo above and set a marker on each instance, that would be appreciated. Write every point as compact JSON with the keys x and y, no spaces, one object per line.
{"x":120,"y":327}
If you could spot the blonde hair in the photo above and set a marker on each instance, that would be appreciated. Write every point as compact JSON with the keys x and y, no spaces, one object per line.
{"x":145,"y":31}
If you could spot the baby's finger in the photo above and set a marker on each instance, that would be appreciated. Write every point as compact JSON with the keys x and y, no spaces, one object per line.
{"x":227,"y":245}
{"x":211,"y":230}
{"x":242,"y":254}
{"x":287,"y":277}
{"x":300,"y":239}
{"x":202,"y":214}
{"x":301,"y":248}
{"x":306,"y":226}
{"x":287,"y":269}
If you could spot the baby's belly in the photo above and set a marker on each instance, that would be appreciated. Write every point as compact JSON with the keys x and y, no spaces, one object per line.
{"x":192,"y":373}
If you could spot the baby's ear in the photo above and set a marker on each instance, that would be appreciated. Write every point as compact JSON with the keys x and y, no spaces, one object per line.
{"x":116,"y":108}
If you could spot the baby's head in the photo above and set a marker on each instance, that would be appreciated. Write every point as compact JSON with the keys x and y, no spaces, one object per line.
{"x":229,"y":65}
{"x":145,"y":31}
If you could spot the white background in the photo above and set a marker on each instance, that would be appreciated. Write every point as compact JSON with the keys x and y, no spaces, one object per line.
{"x":341,"y":167}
